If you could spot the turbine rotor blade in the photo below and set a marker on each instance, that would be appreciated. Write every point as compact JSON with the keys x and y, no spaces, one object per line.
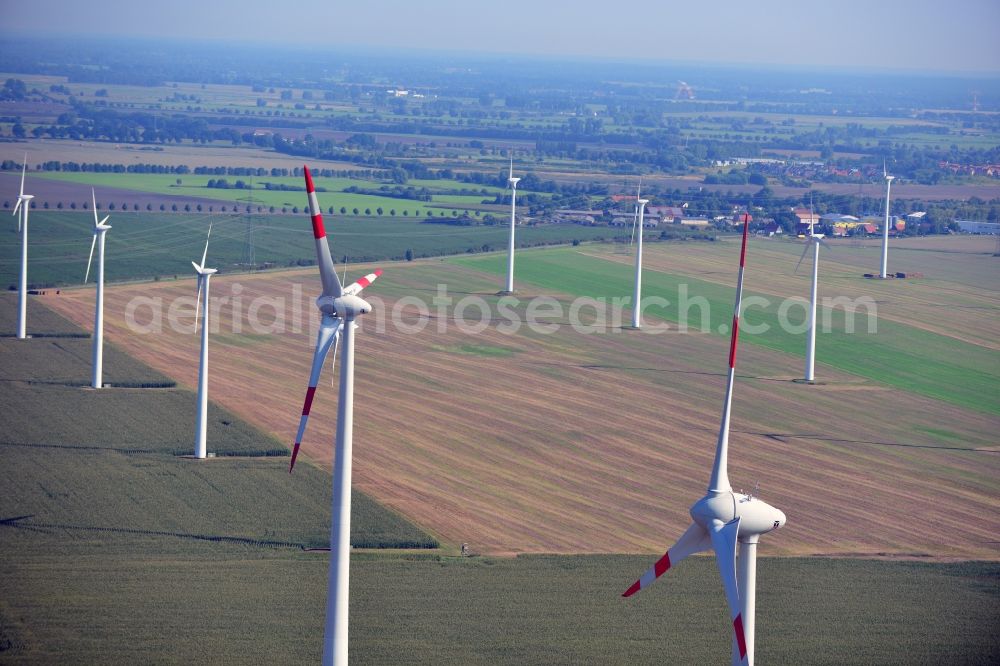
{"x":329,"y":333}
{"x":694,"y":540}
{"x":327,"y":271}
{"x":204,"y":255}
{"x":24,"y":168}
{"x":719,"y":481}
{"x":92,"y":244}
{"x":197,"y":303}
{"x":355,"y":288}
{"x":93,"y":198}
{"x":723,"y":537}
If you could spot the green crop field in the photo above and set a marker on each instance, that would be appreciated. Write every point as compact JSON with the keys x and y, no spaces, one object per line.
{"x":899,"y":355}
{"x":233,"y":603}
{"x":196,"y":186}
{"x":149,"y":245}
{"x":111,"y":460}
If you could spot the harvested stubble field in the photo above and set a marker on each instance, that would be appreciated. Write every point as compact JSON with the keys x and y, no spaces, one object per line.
{"x":574,"y":443}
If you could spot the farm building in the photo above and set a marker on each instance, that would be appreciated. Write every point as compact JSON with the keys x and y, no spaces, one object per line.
{"x":970,"y":227}
{"x":584,"y":217}
{"x":666,"y":214}
{"x":628,"y":220}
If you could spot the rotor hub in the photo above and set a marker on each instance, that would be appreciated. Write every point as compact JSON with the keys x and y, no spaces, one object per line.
{"x":347,"y":306}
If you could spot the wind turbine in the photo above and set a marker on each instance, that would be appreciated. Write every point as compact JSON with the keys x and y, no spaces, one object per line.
{"x":201,"y":424}
{"x":885,"y":227}
{"x":22,"y":205}
{"x":814,"y":240}
{"x":637,"y":307}
{"x":513,"y":223}
{"x":100,"y":228}
{"x":339,"y":307}
{"x":723,"y":518}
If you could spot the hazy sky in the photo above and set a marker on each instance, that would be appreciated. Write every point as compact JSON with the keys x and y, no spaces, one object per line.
{"x":910,"y":34}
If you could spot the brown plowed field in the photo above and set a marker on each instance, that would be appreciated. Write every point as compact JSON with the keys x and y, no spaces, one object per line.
{"x":578,"y":443}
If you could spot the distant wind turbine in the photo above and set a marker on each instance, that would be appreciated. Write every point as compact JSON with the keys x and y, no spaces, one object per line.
{"x":885,"y":227}
{"x":637,"y":299}
{"x":22,"y":206}
{"x":201,"y":426}
{"x":813,"y":240}
{"x":100,"y":229}
{"x":512,"y":181}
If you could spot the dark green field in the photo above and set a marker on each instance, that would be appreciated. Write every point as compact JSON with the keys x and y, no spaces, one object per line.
{"x":233,"y":603}
{"x":150,"y":245}
{"x":898,"y":355}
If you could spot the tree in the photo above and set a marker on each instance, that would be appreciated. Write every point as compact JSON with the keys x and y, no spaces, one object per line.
{"x":343,"y":210}
{"x":368,"y":211}
{"x":379,"y":211}
{"x":355,"y":211}
{"x":409,"y":254}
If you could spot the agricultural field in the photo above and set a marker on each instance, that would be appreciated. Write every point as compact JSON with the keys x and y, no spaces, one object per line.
{"x":433,"y":445}
{"x":113,"y":547}
{"x":899,"y":355}
{"x":112,"y":462}
{"x":150,"y":245}
{"x":195,"y":188}
{"x":233,"y":604}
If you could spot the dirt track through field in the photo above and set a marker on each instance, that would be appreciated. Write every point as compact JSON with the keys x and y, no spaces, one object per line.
{"x":591,"y":443}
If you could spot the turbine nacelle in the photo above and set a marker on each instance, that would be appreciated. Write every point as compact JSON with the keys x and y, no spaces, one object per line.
{"x":513,"y":181}
{"x":756,"y":516}
{"x":347,"y":306}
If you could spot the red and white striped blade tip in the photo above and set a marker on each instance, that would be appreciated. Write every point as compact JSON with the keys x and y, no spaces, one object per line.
{"x":368,"y":279}
{"x":295,"y":454}
{"x":661,"y":567}
{"x":309,"y":179}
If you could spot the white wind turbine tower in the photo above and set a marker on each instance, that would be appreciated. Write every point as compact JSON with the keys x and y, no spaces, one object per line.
{"x":22,"y":206}
{"x":512,"y":181}
{"x":637,"y":299}
{"x":100,"y":228}
{"x":201,"y":421}
{"x":723,"y":518}
{"x":814,"y":240}
{"x":885,"y":227}
{"x":339,"y":307}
